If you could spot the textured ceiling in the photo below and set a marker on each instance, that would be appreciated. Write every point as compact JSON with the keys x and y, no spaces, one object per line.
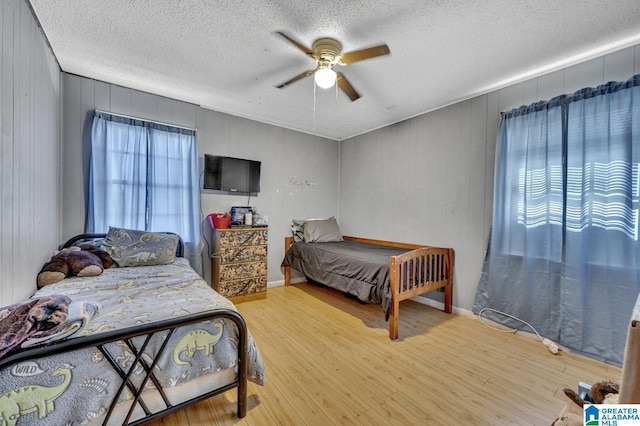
{"x":225,"y":55}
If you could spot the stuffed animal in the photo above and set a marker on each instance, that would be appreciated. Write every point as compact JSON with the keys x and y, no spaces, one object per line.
{"x":84,"y":260}
{"x":604,"y":392}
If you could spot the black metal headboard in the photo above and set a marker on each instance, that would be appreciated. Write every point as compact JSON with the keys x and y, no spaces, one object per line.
{"x":88,"y":237}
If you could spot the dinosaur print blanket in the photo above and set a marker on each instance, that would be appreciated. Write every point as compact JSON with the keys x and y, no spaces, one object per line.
{"x":77,"y":387}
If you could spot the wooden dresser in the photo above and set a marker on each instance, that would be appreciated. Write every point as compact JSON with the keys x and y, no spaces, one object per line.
{"x":239,"y":263}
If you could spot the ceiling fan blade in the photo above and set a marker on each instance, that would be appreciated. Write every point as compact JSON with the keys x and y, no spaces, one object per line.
{"x":346,"y":87}
{"x":297,"y":44}
{"x":296,"y":78}
{"x":359,"y":55}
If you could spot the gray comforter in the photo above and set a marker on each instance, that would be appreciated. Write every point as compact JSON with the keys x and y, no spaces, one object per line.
{"x":76,"y":387}
{"x":359,"y":269}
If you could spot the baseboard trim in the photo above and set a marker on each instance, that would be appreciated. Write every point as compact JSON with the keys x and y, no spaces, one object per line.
{"x":279,"y":283}
{"x":440,"y":305}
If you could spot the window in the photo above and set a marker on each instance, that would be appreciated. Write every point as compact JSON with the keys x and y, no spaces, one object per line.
{"x":144,"y":176}
{"x":564,"y":251}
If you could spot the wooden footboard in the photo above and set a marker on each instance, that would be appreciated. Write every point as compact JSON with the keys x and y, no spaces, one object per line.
{"x":418,"y":271}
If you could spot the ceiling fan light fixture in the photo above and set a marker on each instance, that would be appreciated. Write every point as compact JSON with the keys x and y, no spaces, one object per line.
{"x":327,"y":52}
{"x":325,"y":78}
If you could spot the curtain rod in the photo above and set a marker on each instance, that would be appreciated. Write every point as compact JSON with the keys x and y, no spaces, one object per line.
{"x":146,"y":119}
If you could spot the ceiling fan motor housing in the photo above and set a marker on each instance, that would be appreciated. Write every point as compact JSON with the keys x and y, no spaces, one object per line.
{"x":326,"y":51}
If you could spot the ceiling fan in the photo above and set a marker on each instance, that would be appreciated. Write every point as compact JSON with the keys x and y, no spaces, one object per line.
{"x":327,"y":53}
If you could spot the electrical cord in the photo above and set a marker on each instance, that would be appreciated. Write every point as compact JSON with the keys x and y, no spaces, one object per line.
{"x":552,"y":346}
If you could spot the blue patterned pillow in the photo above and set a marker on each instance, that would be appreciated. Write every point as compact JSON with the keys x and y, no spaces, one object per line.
{"x":130,"y":247}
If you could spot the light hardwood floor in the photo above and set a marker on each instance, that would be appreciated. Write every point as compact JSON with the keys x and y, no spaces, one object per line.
{"x":328,"y":360}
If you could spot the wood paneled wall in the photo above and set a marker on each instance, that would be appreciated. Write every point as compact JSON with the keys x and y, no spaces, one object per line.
{"x":429,"y":179}
{"x":299,"y":176}
{"x":81,"y":97}
{"x":30,"y":119}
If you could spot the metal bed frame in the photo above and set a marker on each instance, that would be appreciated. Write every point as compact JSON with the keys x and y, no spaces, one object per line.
{"x":147,"y":330}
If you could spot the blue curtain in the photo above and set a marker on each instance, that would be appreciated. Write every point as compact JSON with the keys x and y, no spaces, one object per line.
{"x":564,"y":253}
{"x":144,"y":175}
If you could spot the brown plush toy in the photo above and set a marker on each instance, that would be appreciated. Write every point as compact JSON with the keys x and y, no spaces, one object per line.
{"x":604,"y":392}
{"x":84,"y":260}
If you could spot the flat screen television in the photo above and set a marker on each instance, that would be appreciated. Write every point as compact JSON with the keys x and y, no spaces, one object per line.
{"x":231,"y":174}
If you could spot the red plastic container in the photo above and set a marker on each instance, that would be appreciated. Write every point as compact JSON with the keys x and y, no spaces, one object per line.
{"x":219,"y":220}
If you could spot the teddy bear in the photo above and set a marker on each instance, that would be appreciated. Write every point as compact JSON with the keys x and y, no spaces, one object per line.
{"x":83,"y":260}
{"x":604,"y":392}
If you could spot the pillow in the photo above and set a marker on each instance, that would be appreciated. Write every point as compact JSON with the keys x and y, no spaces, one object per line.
{"x":129,"y":247}
{"x":321,"y":231}
{"x":297,"y":230}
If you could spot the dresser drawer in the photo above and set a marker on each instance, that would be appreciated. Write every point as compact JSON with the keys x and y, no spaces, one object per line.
{"x":243,"y":238}
{"x":243,"y":287}
{"x":239,"y":254}
{"x":237,"y":271}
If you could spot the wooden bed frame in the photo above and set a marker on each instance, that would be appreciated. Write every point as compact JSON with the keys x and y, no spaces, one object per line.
{"x":408,"y":268}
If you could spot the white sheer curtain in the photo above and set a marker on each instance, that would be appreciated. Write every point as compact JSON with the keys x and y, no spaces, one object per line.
{"x":564,"y":253}
{"x":144,"y":175}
